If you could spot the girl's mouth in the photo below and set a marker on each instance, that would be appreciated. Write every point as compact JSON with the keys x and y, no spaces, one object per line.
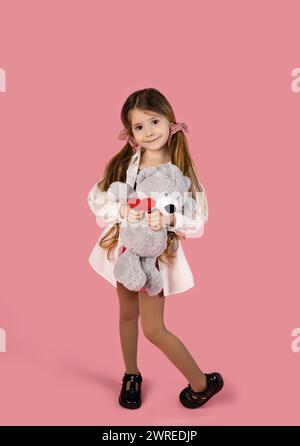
{"x":153,"y":140}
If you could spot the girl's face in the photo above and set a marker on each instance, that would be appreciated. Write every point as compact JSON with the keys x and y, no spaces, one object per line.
{"x":149,"y":129}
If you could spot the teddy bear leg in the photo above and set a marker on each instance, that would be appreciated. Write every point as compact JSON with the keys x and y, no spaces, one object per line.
{"x":154,"y":282}
{"x":129,"y":272}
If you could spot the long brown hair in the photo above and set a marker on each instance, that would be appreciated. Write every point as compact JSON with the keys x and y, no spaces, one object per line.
{"x":148,"y":99}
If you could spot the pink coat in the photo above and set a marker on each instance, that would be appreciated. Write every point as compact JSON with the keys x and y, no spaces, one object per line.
{"x":177,"y":277}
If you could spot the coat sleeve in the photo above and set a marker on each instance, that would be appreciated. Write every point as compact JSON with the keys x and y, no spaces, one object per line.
{"x":192,"y":226}
{"x":104,"y":208}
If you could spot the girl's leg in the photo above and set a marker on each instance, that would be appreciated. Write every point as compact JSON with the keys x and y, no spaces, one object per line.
{"x":128,"y":326}
{"x":151,"y":312}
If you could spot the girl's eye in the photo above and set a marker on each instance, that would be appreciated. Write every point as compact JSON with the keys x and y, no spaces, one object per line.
{"x":139,"y":126}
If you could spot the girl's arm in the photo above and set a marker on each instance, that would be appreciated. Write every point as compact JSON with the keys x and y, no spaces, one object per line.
{"x":106,"y":210}
{"x":192,"y":226}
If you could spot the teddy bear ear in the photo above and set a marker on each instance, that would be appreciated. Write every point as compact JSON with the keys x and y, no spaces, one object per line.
{"x":119,"y":191}
{"x":145,"y":173}
{"x":171,"y":171}
{"x":187,"y":182}
{"x":189,"y":207}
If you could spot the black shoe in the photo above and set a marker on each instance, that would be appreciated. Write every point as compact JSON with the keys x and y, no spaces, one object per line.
{"x":192,"y":399}
{"x":131,"y":392}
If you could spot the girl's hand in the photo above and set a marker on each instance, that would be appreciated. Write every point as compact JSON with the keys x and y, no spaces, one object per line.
{"x":130,"y":214}
{"x":157,"y":220}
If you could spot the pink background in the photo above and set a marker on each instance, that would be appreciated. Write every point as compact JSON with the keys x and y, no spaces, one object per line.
{"x":226,"y":69}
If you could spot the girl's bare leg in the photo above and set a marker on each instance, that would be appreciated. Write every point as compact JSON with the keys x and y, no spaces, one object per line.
{"x":128,"y":326}
{"x":151,"y":312}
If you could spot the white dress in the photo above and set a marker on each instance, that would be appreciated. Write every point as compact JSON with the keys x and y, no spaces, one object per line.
{"x":177,"y":276}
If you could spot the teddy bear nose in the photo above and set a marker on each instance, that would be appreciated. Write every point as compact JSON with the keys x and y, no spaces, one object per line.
{"x":170,"y":208}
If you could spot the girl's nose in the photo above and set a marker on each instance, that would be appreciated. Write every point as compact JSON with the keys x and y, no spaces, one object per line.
{"x":148,"y":132}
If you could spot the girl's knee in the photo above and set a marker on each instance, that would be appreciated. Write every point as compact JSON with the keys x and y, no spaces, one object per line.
{"x":154,"y":334}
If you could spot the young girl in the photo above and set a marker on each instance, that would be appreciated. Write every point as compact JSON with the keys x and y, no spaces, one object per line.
{"x":152,"y":138}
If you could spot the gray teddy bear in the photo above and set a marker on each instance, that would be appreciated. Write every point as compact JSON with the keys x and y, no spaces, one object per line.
{"x":162,"y":188}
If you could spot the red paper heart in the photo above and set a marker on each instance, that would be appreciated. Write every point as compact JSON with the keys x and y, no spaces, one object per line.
{"x":133,"y":202}
{"x":146,"y":204}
